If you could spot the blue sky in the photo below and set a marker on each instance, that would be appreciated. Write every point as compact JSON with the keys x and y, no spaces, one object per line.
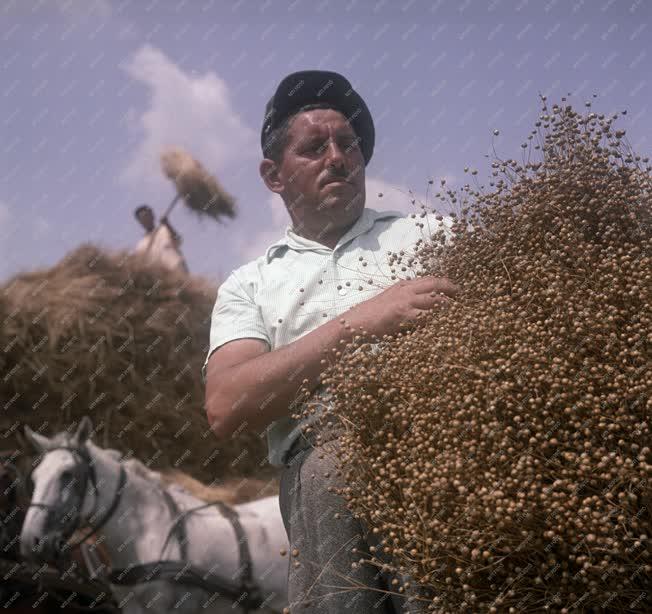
{"x":93,"y":90}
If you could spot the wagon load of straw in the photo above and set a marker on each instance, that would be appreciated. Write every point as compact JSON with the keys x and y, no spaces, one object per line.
{"x":107,"y":335}
{"x":500,"y":447}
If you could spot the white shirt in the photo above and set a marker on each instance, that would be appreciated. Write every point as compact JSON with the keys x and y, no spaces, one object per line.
{"x":160,"y":247}
{"x":300,"y":284}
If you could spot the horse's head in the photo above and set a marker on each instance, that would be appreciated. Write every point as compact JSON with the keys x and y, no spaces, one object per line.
{"x":65,"y":490}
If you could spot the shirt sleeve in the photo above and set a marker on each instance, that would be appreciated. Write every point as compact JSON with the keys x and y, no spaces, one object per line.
{"x":141,"y":246}
{"x":235,"y":316}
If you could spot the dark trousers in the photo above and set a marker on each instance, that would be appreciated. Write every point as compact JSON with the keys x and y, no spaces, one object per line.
{"x":324,"y":532}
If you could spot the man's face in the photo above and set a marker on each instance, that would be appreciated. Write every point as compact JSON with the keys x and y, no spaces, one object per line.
{"x":322,"y":146}
{"x":146,"y":218}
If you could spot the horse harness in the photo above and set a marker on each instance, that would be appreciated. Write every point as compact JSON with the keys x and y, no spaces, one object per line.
{"x":248,"y":595}
{"x":85,"y":470}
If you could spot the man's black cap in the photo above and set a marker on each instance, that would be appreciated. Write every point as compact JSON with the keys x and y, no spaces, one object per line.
{"x":314,"y":86}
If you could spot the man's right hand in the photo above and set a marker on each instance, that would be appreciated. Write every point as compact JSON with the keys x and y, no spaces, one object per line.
{"x":398,"y":305}
{"x":248,"y":383}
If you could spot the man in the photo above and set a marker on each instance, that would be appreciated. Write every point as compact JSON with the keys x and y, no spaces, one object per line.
{"x":274,"y":318}
{"x":160,"y":245}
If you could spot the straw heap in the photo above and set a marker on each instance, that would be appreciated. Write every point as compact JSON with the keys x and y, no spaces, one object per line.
{"x":501,"y":447}
{"x":109,"y":336}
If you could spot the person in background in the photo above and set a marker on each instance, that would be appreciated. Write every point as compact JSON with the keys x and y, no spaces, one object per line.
{"x":161,"y":244}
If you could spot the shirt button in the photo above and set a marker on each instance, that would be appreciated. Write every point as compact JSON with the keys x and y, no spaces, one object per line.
{"x":342,"y":291}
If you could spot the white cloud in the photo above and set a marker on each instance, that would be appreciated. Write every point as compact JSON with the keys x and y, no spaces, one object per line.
{"x":257,"y":244}
{"x":193,"y":111}
{"x":394,"y":197}
{"x":398,"y":197}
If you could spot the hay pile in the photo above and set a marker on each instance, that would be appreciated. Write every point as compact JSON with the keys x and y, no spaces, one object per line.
{"x":501,"y":447}
{"x":109,"y":336}
{"x":232,"y":492}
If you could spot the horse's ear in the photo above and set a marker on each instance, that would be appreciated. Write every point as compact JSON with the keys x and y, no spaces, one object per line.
{"x":40,"y":442}
{"x":84,"y":431}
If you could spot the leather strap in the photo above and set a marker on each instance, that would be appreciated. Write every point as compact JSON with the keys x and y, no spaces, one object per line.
{"x":183,"y":573}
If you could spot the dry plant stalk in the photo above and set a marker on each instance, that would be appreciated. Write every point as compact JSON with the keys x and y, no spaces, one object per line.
{"x":233,"y":491}
{"x":120,"y":340}
{"x":201,"y":192}
{"x":501,"y":446}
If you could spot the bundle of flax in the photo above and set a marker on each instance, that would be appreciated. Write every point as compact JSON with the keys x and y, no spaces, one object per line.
{"x":109,"y":336}
{"x":201,"y":192}
{"x":501,"y":446}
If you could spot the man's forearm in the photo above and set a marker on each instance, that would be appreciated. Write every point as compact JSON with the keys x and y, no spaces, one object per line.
{"x":262,"y":389}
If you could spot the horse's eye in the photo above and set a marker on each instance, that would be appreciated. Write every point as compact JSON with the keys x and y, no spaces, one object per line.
{"x":66,"y":476}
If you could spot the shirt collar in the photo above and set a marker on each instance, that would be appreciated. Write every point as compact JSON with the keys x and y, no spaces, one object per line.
{"x":296,"y":242}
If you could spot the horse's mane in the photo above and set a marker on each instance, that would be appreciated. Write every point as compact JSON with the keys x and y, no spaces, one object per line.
{"x":139,"y":468}
{"x":233,"y":491}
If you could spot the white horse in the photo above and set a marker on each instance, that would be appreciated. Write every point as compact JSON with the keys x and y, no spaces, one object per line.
{"x":78,"y":485}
